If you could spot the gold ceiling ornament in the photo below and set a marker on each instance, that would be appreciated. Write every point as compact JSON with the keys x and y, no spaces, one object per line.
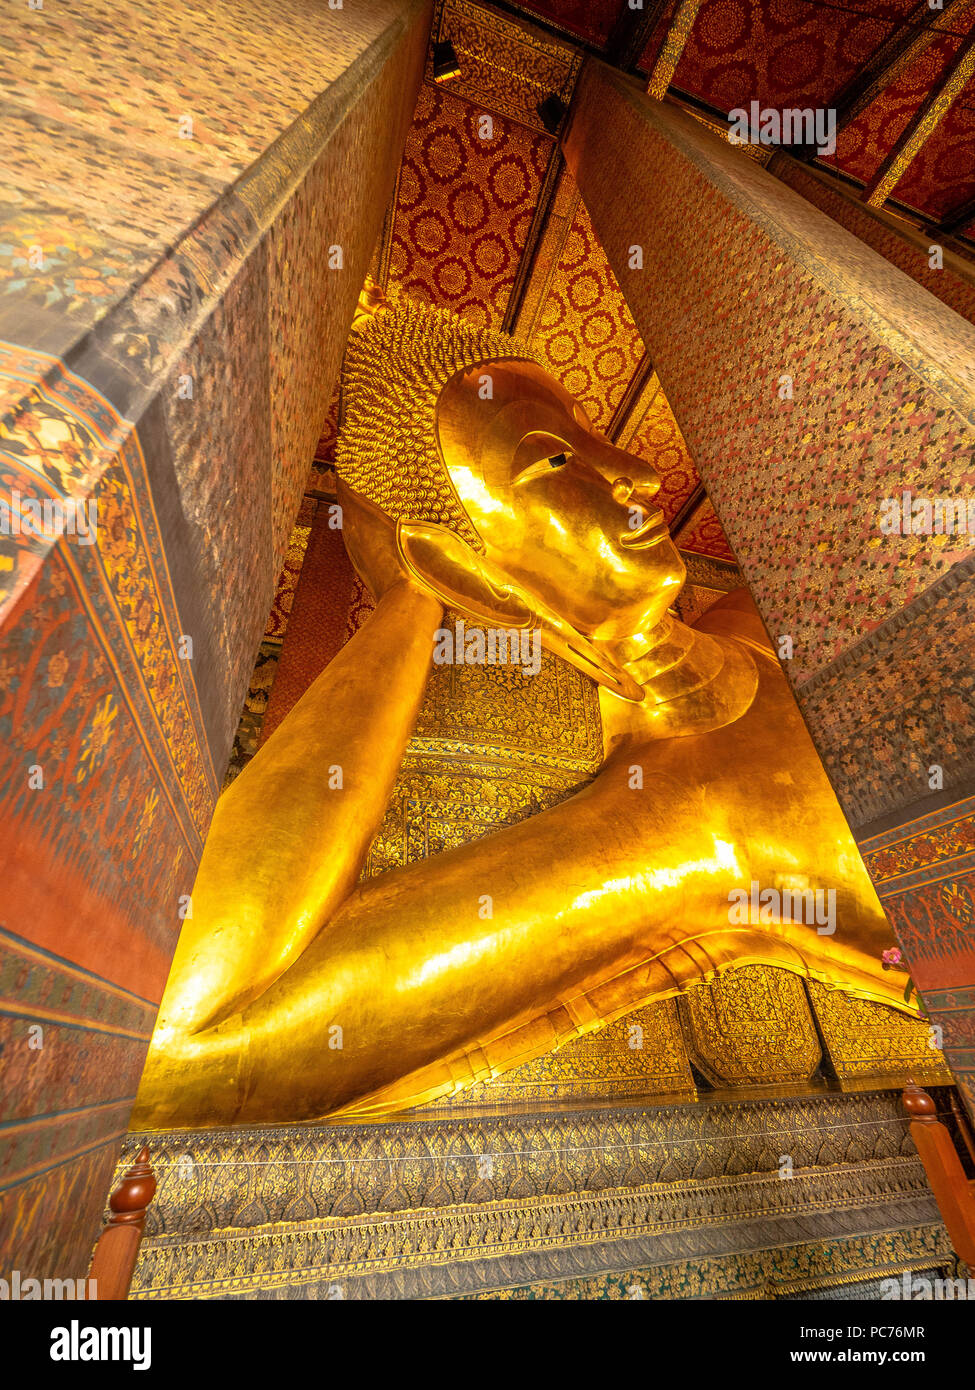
{"x":469,"y":477}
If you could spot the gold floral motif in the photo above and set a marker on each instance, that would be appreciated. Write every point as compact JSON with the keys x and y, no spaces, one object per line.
{"x":751,"y":1027}
{"x":869,"y":1040}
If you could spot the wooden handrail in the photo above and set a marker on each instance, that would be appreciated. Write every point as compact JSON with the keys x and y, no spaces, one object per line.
{"x":960,"y":1116}
{"x":117,"y":1250}
{"x":953,"y":1191}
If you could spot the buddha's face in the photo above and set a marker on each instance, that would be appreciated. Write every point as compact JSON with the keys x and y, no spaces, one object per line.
{"x":568,"y":516}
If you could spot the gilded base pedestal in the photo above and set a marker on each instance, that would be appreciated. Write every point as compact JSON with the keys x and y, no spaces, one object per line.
{"x":684,"y":1200}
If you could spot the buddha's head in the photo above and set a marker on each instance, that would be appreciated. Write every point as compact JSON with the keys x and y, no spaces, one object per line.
{"x":506,"y":497}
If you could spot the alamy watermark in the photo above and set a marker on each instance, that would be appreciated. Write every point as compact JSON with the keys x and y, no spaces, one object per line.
{"x":919,"y":1288}
{"x":908,"y":515}
{"x":756,"y":906}
{"x":493,"y":646}
{"x":77,"y":1343}
{"x":765,"y":125}
{"x":49,"y":517}
{"x":23,"y":1289}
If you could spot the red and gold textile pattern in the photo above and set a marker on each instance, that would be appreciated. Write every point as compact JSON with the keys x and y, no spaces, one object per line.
{"x":703,"y":534}
{"x":941,"y":176}
{"x":585,"y":334}
{"x":779,"y":52}
{"x":651,"y":431}
{"x":467,"y":190}
{"x":863,"y":145}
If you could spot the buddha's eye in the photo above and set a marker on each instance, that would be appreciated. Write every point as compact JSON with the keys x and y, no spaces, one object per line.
{"x":546,"y":457}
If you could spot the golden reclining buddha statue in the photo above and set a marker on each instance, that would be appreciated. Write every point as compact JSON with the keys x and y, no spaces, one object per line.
{"x":472,"y":482}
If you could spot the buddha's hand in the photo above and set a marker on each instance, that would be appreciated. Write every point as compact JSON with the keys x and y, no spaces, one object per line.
{"x":370,"y":539}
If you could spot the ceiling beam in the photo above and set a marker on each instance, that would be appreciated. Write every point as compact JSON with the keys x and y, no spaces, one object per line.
{"x":533,"y":242}
{"x":923,"y":126}
{"x":635,"y":388}
{"x":960,"y":217}
{"x":665,"y":64}
{"x":631,"y":33}
{"x":687,"y":511}
{"x":895,"y":55}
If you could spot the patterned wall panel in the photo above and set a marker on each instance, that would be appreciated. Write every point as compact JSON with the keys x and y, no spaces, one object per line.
{"x":585,"y":333}
{"x":862,"y":146}
{"x":464,"y":206}
{"x":96,"y":699}
{"x":651,"y":431}
{"x":780,"y":52}
{"x":586,"y":336}
{"x":185,"y":276}
{"x":704,"y":535}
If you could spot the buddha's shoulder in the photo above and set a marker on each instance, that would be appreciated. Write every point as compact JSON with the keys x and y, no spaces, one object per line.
{"x":735,"y":615}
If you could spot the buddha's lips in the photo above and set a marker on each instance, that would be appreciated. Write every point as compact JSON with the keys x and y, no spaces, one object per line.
{"x":653,"y":529}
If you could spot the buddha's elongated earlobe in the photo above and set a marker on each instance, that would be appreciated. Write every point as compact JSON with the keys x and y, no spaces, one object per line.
{"x":460,"y":576}
{"x":464,"y":579}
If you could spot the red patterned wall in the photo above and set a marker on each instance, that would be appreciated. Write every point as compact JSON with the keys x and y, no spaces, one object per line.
{"x":941,"y":176}
{"x":464,"y":206}
{"x":656,"y":437}
{"x":780,"y":52}
{"x":586,"y":334}
{"x":704,"y":535}
{"x":862,"y":146}
{"x":591,"y":20}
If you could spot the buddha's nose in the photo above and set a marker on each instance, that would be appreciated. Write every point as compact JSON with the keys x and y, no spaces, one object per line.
{"x":629,"y":477}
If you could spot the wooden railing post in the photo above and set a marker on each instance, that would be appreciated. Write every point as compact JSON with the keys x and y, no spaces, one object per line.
{"x":115,"y":1254}
{"x":960,"y":1116}
{"x":953,"y":1192}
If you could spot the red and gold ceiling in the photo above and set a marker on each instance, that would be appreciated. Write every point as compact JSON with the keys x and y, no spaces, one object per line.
{"x":487,"y":222}
{"x":798,"y":53}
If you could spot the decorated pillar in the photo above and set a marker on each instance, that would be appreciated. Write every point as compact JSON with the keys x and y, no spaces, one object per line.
{"x":828,"y":401}
{"x":199,"y":197}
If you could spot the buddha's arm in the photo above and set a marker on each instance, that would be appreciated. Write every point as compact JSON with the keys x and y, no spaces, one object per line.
{"x":416,"y":963}
{"x":600,"y":903}
{"x":290,"y":834}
